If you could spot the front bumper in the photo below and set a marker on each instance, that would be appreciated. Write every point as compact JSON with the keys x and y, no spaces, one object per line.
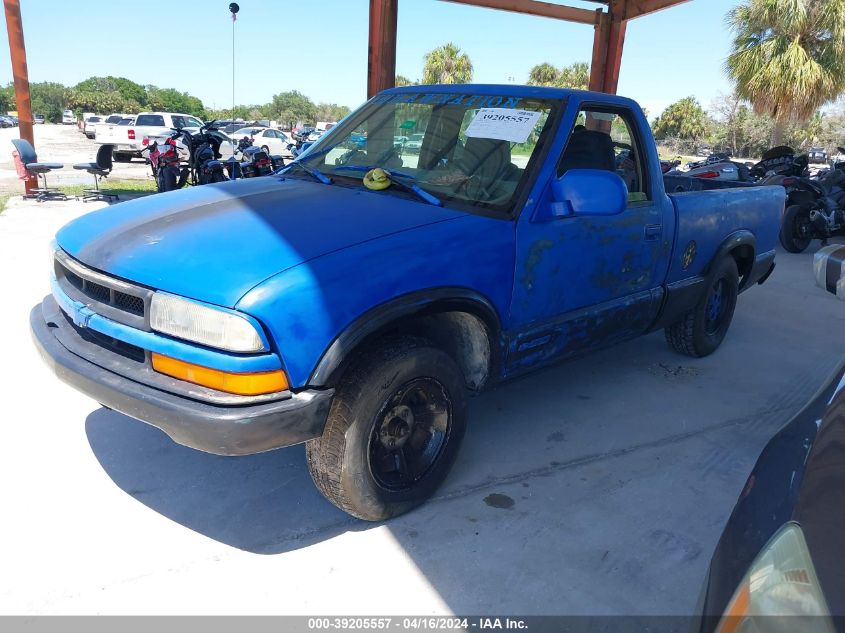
{"x":212,"y":428}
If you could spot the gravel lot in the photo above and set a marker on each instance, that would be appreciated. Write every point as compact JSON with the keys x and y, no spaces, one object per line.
{"x":60,"y":144}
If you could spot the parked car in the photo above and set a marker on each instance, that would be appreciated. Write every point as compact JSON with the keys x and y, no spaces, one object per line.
{"x":414,"y":143}
{"x":817,"y":155}
{"x":38,"y":118}
{"x":6,"y":121}
{"x":129,"y":142}
{"x":353,"y":302}
{"x":68,"y":118}
{"x":270,"y":140}
{"x":782,"y":552}
{"x":90,"y":126}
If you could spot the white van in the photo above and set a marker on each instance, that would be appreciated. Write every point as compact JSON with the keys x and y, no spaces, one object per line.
{"x":68,"y":117}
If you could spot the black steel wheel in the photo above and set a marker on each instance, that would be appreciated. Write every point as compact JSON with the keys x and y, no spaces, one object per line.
{"x":701,"y":330}
{"x":409,"y":434}
{"x":796,"y":231}
{"x":393,"y":432}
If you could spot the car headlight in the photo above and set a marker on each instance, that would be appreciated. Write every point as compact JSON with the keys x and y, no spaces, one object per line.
{"x":781,"y":582}
{"x":201,"y":324}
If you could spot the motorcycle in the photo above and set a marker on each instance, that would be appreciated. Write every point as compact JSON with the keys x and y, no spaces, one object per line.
{"x":204,"y":155}
{"x":165,"y":163}
{"x":815,"y":209}
{"x":254,"y":161}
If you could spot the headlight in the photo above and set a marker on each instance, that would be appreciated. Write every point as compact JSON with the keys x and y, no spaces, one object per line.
{"x":198,"y":323}
{"x":781,"y":582}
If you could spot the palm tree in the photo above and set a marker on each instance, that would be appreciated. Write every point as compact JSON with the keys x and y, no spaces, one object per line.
{"x":787,"y":56}
{"x":573,"y":76}
{"x":543,"y":75}
{"x":447,"y":65}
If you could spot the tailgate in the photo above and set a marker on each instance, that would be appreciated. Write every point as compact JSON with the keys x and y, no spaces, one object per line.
{"x":708,"y":218}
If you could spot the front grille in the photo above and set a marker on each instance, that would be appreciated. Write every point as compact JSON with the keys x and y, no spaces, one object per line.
{"x":128,"y":302}
{"x":114,"y":298}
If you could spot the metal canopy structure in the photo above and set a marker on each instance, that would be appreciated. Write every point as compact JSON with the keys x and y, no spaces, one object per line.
{"x":609,"y":22}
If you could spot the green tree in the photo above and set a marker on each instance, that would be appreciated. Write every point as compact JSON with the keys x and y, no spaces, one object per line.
{"x":787,"y":57}
{"x":684,"y":119}
{"x":575,"y":75}
{"x":543,"y":75}
{"x":447,"y":65}
{"x":48,"y":98}
{"x":402,"y":80}
{"x":330,"y":112}
{"x":128,"y":90}
{"x":293,"y":107}
{"x":7,"y":98}
{"x":171,"y":100}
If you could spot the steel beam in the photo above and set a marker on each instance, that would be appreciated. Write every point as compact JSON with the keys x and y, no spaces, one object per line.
{"x":534,"y":7}
{"x":17,"y":49}
{"x":381,"y":55}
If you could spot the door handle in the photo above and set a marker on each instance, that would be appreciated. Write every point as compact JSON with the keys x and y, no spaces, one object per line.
{"x":653,"y":231}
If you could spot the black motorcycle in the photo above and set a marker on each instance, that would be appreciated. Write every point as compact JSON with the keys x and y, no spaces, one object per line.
{"x":204,"y":155}
{"x":253,"y":161}
{"x":815,"y":210}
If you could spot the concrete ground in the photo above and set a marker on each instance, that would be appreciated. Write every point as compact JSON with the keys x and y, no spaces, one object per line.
{"x":599,"y":486}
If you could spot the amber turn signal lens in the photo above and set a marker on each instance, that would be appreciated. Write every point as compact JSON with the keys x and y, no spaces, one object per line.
{"x":252,"y":384}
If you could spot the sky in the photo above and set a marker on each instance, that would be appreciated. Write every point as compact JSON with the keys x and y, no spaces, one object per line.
{"x":319,"y":47}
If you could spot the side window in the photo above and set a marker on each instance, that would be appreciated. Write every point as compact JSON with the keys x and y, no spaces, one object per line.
{"x":193,"y":122}
{"x":607,"y":139}
{"x":179,"y":122}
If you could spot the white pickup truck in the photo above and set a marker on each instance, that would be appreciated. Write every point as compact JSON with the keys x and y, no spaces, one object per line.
{"x":128,"y":141}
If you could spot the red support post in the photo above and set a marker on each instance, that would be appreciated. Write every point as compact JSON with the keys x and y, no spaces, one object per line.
{"x":17,"y":49}
{"x":608,"y":43}
{"x":381,"y":56}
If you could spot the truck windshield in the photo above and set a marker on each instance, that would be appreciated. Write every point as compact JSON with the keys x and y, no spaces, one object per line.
{"x":465,"y":149}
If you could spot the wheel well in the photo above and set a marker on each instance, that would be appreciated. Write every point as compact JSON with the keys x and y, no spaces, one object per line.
{"x":744,"y":257}
{"x":465,"y":336}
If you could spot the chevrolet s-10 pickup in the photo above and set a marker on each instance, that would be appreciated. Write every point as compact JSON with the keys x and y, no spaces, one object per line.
{"x":355,"y":298}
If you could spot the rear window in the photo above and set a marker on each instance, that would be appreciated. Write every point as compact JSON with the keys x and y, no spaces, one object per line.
{"x":114,"y":118}
{"x":150,"y":119}
{"x":125,"y":121}
{"x":94,"y":119}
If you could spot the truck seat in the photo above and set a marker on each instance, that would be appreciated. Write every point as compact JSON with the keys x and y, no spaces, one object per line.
{"x":588,"y":149}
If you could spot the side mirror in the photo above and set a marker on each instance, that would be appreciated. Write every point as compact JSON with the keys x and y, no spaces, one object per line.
{"x":588,"y":192}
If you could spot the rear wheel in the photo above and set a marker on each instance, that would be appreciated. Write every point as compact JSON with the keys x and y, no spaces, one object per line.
{"x":702,"y":329}
{"x":393,"y":431}
{"x":796,"y":229}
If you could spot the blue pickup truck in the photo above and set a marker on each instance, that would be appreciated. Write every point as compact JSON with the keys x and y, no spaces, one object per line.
{"x":354,"y":299}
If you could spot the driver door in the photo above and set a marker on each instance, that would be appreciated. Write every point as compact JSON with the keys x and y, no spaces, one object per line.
{"x":583,"y":282}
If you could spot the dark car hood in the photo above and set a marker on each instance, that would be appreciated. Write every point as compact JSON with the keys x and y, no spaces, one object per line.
{"x":213,"y":243}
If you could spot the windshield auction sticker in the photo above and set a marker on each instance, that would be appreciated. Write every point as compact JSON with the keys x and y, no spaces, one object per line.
{"x":503,"y":124}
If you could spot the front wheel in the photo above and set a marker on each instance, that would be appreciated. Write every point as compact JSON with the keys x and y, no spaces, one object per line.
{"x":796,"y":229}
{"x":393,"y":431}
{"x":702,"y":329}
{"x":166,"y":180}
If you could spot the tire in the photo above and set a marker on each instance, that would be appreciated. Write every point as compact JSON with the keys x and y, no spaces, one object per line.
{"x":793,"y":219}
{"x":166,"y":180}
{"x":367,"y":462}
{"x":218,"y":176}
{"x":120,"y":157}
{"x":701,"y":330}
